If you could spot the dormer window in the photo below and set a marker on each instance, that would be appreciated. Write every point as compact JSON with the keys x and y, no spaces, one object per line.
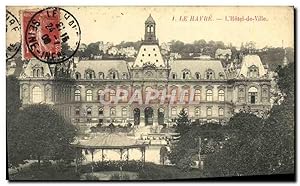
{"x":210,"y":74}
{"x":221,"y":75}
{"x":253,"y":71}
{"x":101,"y":75}
{"x":173,"y":76}
{"x":197,"y":75}
{"x":113,"y":74}
{"x":89,"y":74}
{"x":77,"y":75}
{"x":125,"y":76}
{"x":38,"y":72}
{"x":185,"y":74}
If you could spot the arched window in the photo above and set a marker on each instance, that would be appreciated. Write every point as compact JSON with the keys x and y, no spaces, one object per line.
{"x":173,"y":76}
{"x":112,"y":94}
{"x":89,"y":74}
{"x":209,"y":95}
{"x":253,"y":71}
{"x":36,"y":95}
{"x":100,"y":93}
{"x":77,"y":95}
{"x":221,"y":95}
{"x":101,"y":75}
{"x":37,"y":72}
{"x":89,"y":111}
{"x":100,"y":111}
{"x":252,"y":93}
{"x":34,"y":73}
{"x":124,"y":112}
{"x":197,"y":112}
{"x":113,"y":74}
{"x":210,"y":74}
{"x":113,"y":111}
{"x":123,"y":96}
{"x":185,"y":74}
{"x":221,"y":112}
{"x":198,"y":75}
{"x":125,"y":76}
{"x":197,"y":96}
{"x":77,"y":111}
{"x":174,"y":111}
{"x":209,"y":111}
{"x":89,"y":95}
{"x":186,"y":96}
{"x":77,"y":75}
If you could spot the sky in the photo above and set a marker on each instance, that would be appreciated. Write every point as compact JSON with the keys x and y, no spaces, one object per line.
{"x":116,"y":24}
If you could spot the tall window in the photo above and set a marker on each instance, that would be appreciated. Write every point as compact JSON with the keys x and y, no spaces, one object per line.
{"x":209,"y":111}
{"x":197,"y":96}
{"x":209,"y":95}
{"x":112,"y":95}
{"x":265,"y":93}
{"x":89,"y":95}
{"x":124,"y":112}
{"x":77,"y":95}
{"x":113,"y":111}
{"x":221,"y":112}
{"x":123,"y":97}
{"x":36,"y":95}
{"x":241,"y":93}
{"x":252,"y":93}
{"x":221,"y":95}
{"x":100,"y":93}
{"x":186,"y":96}
{"x":197,"y":112}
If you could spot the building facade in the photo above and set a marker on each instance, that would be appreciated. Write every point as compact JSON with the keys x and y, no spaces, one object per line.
{"x":218,"y":90}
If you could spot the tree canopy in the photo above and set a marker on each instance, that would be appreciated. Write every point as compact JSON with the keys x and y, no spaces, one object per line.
{"x":39,"y":132}
{"x":259,"y":146}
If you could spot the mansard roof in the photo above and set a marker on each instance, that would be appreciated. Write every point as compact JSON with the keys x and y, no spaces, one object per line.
{"x":194,"y":66}
{"x":101,"y":66}
{"x":250,"y":60}
{"x":35,"y":63}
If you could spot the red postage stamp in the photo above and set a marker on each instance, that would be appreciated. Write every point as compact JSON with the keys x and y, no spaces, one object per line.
{"x":52,"y":35}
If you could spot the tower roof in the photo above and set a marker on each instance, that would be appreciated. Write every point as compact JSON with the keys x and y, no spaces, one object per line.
{"x":150,"y":19}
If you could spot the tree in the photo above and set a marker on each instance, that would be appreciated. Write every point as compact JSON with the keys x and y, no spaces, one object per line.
{"x":39,"y":132}
{"x":184,"y":151}
{"x":240,"y":153}
{"x":260,"y":146}
{"x":183,"y":123}
{"x":13,"y":104}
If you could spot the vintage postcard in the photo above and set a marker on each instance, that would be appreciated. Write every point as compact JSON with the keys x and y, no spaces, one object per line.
{"x":150,"y":93}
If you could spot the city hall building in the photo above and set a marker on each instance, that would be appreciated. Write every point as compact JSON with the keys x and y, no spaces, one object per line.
{"x":218,"y":90}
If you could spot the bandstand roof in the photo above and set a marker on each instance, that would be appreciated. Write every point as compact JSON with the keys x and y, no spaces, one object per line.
{"x":110,"y":141}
